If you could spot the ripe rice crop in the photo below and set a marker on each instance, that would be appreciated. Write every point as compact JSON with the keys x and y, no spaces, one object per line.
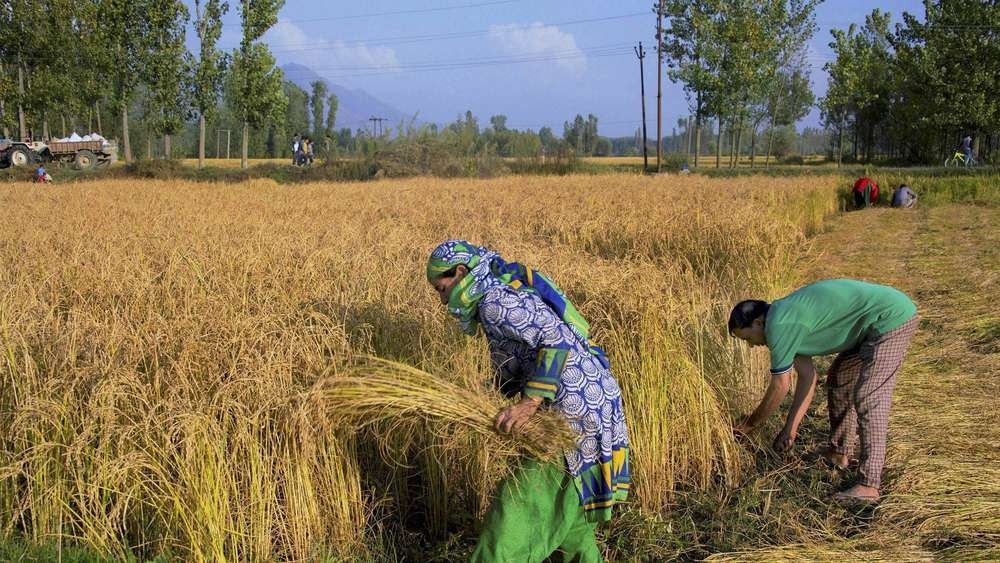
{"x":166,"y":345}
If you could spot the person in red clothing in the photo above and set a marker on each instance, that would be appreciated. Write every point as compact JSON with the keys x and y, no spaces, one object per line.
{"x":865,"y":192}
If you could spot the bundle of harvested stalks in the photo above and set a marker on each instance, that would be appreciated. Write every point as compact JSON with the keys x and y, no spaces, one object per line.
{"x":399,"y":399}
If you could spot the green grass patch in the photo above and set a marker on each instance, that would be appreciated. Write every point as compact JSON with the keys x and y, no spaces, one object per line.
{"x":18,"y":549}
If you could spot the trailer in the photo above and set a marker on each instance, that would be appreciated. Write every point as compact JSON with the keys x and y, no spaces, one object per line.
{"x":82,"y":155}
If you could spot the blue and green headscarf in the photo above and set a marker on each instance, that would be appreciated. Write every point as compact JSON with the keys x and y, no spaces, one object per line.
{"x":488,"y":270}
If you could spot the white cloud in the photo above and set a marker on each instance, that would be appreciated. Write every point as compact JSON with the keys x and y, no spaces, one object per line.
{"x":540,"y":40}
{"x":332,"y":58}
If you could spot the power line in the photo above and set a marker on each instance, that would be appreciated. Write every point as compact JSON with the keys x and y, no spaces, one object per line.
{"x":433,"y":37}
{"x":611,"y":49}
{"x":474,"y":65}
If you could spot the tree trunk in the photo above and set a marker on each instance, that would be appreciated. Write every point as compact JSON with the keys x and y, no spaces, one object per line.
{"x":753,"y":145}
{"x":97,"y":112}
{"x":697,"y":120}
{"x":201,"y":141}
{"x":739,"y":141}
{"x":770,"y":144}
{"x":869,"y":142}
{"x":244,"y":164}
{"x":6,"y":131}
{"x":45,"y":128}
{"x":854,"y":149}
{"x":733,"y":127}
{"x":688,"y":131}
{"x":697,"y":139}
{"x":22,"y":124}
{"x":149,"y":147}
{"x":166,"y":146}
{"x":718,"y":145}
{"x":127,"y":147}
{"x":63,"y":117}
{"x":840,"y":144}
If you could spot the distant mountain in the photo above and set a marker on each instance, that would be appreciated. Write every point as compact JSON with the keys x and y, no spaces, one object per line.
{"x":354,"y":106}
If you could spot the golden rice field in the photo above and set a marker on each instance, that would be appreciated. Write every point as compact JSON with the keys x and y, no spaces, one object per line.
{"x":188,"y":367}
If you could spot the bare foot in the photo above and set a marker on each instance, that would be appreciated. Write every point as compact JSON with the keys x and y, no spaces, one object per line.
{"x":858,"y":494}
{"x":839,"y":460}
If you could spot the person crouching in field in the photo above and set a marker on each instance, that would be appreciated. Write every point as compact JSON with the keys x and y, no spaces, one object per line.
{"x":865,"y":192}
{"x":539,"y":347}
{"x":41,"y":176}
{"x":904,"y":197}
{"x":869,"y":326}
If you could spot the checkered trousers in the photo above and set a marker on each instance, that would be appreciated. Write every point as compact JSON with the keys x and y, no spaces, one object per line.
{"x":859,"y":391}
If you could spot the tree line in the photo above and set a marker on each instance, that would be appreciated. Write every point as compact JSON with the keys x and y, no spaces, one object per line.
{"x":908,"y":93}
{"x":742,"y":63}
{"x":61,"y":60}
{"x":911,"y":93}
{"x":94,"y":65}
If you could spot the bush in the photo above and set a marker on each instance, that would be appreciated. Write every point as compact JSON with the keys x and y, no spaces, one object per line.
{"x":558,"y":165}
{"x":158,"y":169}
{"x":793,"y":159}
{"x":673,"y":162}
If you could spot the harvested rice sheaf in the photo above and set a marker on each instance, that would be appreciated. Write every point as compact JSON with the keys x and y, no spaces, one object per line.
{"x":402,"y":399}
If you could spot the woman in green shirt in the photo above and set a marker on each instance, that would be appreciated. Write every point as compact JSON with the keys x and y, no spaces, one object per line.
{"x":869,"y":326}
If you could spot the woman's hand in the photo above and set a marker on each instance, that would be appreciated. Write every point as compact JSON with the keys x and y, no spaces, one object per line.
{"x":514,"y":416}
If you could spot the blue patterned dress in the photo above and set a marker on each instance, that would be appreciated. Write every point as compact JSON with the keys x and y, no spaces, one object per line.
{"x":537,"y":353}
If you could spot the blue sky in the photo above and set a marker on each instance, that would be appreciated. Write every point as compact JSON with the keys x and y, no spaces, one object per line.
{"x":538,"y":62}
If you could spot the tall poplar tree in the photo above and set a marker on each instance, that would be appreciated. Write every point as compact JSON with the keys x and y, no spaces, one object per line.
{"x":316,"y":101}
{"x":124,"y":31}
{"x":259,"y":97}
{"x":207,"y":82}
{"x":167,"y":69}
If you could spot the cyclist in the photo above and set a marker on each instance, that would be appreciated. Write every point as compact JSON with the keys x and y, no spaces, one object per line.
{"x":967,"y":149}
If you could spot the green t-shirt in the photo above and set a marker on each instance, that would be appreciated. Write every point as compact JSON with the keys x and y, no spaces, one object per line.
{"x":831,"y":316}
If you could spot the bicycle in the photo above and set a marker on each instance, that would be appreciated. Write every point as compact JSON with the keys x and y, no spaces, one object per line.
{"x":959,"y":159}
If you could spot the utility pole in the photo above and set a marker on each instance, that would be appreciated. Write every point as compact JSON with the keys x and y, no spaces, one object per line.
{"x":640,"y":53}
{"x":659,"y":82}
{"x":377,"y":125}
{"x":687,"y":129}
{"x":218,"y":137}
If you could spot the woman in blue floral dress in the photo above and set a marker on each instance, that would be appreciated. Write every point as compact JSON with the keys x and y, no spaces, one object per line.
{"x":540,"y":348}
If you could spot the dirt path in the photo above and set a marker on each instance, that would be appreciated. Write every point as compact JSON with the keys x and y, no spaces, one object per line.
{"x":943,"y":475}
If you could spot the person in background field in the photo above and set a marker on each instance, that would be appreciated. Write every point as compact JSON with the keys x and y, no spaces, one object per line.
{"x":869,"y":327}
{"x":540,"y":348}
{"x":865,"y":192}
{"x":308,"y":156}
{"x":41,"y":176}
{"x":904,"y":197}
{"x":296,"y":146}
